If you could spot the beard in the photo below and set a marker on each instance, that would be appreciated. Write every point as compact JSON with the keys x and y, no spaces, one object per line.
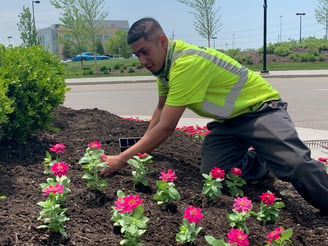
{"x":159,"y":71}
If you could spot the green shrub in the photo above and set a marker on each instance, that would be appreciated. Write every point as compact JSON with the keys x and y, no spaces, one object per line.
{"x":131,"y":70}
{"x":282,"y":50}
{"x":103,"y":69}
{"x":34,"y":82}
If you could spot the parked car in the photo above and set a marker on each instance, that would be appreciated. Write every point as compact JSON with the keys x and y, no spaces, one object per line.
{"x":89,"y":56}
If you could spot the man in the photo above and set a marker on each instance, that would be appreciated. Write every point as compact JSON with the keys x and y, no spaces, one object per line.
{"x":245,"y":108}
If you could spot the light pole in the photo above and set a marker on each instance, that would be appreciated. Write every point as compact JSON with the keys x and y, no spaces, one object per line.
{"x":264,"y":69}
{"x":9,"y":37}
{"x":33,"y":2}
{"x":280,"y":29}
{"x":214,"y":41}
{"x":300,"y":14}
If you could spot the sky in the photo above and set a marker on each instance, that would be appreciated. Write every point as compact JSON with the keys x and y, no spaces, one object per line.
{"x":242,"y":20}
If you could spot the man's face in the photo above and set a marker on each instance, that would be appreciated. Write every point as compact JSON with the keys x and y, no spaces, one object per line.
{"x":151,"y":54}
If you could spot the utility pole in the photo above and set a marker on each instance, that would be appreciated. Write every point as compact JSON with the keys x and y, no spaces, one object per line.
{"x":265,"y":6}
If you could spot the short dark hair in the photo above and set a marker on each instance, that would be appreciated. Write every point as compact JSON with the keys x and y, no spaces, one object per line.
{"x":143,"y":28}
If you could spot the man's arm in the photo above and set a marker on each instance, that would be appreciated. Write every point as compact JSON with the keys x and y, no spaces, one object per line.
{"x":157,"y":112}
{"x":154,"y":136}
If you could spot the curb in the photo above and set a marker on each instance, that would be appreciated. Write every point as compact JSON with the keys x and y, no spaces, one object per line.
{"x":152,"y":79}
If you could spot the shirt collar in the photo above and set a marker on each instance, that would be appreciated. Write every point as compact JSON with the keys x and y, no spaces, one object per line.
{"x":167,"y":64}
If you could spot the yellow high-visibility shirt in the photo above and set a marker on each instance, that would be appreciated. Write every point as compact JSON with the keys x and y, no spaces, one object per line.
{"x":211,"y":83}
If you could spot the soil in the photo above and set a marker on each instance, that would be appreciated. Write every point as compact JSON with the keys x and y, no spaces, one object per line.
{"x":21,"y":173}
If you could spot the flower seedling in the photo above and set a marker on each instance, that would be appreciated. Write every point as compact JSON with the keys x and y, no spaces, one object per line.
{"x":279,"y":237}
{"x":48,"y":161}
{"x":128,"y":214}
{"x":92,"y":164}
{"x":241,"y":211}
{"x":59,"y":171}
{"x":213,"y":183}
{"x":234,"y":182}
{"x":166,"y":191}
{"x":52,"y":214}
{"x":269,"y":208}
{"x":236,"y":237}
{"x":188,"y":231}
{"x":139,"y":163}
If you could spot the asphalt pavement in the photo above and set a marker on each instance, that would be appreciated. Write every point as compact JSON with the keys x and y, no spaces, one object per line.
{"x":312,"y":137}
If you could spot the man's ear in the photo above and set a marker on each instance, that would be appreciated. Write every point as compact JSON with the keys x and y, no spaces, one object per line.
{"x":163,"y":40}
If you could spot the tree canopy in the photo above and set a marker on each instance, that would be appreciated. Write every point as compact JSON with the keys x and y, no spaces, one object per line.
{"x":207,"y":18}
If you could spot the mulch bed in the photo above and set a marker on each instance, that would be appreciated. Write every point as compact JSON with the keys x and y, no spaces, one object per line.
{"x":21,"y":173}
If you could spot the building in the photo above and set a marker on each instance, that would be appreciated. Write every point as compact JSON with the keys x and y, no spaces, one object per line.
{"x":48,"y":36}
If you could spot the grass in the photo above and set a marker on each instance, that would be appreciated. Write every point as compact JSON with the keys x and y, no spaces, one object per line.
{"x":121,"y":67}
{"x":291,"y":66}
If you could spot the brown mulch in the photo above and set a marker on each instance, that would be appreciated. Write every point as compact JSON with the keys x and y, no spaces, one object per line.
{"x":21,"y":173}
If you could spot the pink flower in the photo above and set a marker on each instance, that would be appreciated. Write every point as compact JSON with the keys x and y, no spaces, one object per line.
{"x":119,"y":204}
{"x":142,"y":155}
{"x":95,"y":145}
{"x":237,"y":236}
{"x":275,"y":234}
{"x":236,"y":171}
{"x":59,"y":169}
{"x":169,"y":176}
{"x":128,"y":203}
{"x":57,"y":148}
{"x":217,"y":173}
{"x":268,"y":198}
{"x":58,"y":188}
{"x":193,"y":214}
{"x":323,"y":159}
{"x":242,"y":204}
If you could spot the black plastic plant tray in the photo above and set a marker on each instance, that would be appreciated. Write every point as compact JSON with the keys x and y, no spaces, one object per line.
{"x":125,"y":143}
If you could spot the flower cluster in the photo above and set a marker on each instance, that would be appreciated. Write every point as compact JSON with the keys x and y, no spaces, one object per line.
{"x":128,"y":215}
{"x":141,"y":170}
{"x":241,"y":212}
{"x":325,"y":162}
{"x":188,"y":230}
{"x":234,"y":182}
{"x":197,"y":132}
{"x":166,"y":191}
{"x":48,"y":161}
{"x":132,"y":118}
{"x":235,"y":237}
{"x":213,"y":182}
{"x":56,"y":188}
{"x":279,"y":236}
{"x":92,"y":164}
{"x":269,"y":208}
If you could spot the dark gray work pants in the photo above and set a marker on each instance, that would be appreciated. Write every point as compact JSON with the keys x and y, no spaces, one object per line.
{"x":277,"y":147}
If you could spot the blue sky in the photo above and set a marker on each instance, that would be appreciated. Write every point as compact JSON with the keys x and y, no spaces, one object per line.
{"x":242,"y":20}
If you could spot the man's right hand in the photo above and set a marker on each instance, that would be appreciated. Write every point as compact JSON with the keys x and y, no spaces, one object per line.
{"x":114,"y":164}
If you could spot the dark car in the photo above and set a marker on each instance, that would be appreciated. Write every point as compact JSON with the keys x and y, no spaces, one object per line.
{"x":89,"y":56}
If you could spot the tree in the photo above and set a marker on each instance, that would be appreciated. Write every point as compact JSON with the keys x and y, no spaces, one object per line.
{"x":117,"y":45}
{"x":26,"y":27}
{"x":207,"y":21}
{"x":321,"y":14}
{"x":73,"y":33}
{"x":99,"y":47}
{"x":83,"y":18}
